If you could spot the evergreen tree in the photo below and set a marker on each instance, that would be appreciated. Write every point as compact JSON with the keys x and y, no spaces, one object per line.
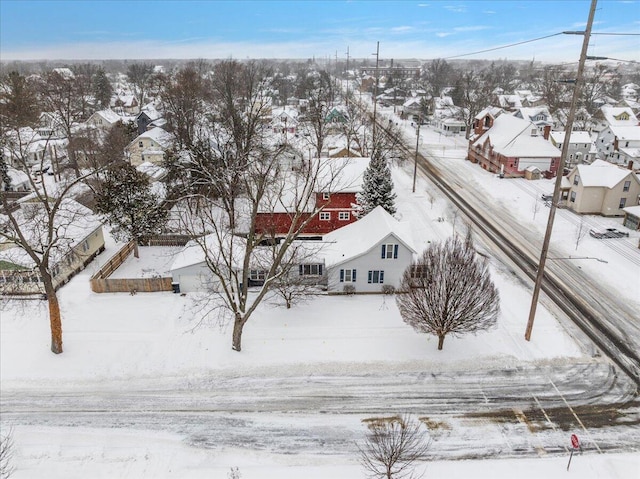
{"x":102,"y":89}
{"x":4,"y":172}
{"x":377,"y":189}
{"x":128,"y":204}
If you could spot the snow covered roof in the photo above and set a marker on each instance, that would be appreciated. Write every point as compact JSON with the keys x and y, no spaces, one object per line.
{"x":532,"y":113}
{"x":153,"y":171}
{"x":160,"y":136}
{"x":576,"y":137}
{"x":618,"y":116}
{"x":626,"y":133}
{"x":492,"y":111}
{"x":632,"y":210}
{"x":511,"y":137}
{"x":602,"y":174}
{"x":356,"y":239}
{"x":108,"y":115}
{"x":73,"y":222}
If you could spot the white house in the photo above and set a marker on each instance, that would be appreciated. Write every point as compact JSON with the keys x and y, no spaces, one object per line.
{"x":368,"y":254}
{"x":581,"y":148}
{"x":81,"y":240}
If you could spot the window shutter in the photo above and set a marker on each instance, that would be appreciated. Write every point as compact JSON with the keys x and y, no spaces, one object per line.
{"x":300,"y":269}
{"x":384,"y":250}
{"x":320,"y":269}
{"x":382,"y":276}
{"x":395,"y":251}
{"x":342,"y":276}
{"x":353,"y":275}
{"x":370,"y":277}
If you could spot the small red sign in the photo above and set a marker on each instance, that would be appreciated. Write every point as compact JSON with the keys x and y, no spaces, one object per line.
{"x":574,"y":441}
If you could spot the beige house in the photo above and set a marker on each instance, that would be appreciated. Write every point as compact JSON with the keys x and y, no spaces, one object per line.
{"x":82,"y":241}
{"x":150,"y":147}
{"x":601,"y":188}
{"x":103,"y":119}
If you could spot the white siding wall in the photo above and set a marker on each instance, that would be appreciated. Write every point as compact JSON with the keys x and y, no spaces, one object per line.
{"x":393,"y":268}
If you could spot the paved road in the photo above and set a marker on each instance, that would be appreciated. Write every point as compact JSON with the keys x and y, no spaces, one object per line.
{"x":509,"y":410}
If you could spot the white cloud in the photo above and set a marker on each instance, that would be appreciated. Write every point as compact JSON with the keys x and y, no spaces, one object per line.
{"x":443,"y":34}
{"x":402,"y":29}
{"x":471,"y":28}
{"x":456,"y":8}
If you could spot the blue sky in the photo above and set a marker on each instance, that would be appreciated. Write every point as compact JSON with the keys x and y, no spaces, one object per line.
{"x":134,"y":29}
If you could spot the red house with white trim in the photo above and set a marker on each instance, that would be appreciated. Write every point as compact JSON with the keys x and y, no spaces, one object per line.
{"x":330,"y":209}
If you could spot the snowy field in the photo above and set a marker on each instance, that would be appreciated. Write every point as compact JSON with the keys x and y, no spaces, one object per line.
{"x":120,"y":341}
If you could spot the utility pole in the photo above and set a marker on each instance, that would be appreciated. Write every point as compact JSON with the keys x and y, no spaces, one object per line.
{"x":375,"y":91}
{"x":347,"y":71}
{"x":563,"y":156}
{"x":415,"y":159}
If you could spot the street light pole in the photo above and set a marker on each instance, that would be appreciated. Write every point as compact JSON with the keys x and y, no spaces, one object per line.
{"x":563,"y":155}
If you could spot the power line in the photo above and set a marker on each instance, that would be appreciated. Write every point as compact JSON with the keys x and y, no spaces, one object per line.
{"x":505,"y":46}
{"x":618,"y":34}
{"x":541,"y":38}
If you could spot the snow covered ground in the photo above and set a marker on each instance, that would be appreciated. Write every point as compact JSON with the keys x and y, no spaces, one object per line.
{"x":120,"y":341}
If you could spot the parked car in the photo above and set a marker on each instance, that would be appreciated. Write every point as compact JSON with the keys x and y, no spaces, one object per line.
{"x":609,"y":233}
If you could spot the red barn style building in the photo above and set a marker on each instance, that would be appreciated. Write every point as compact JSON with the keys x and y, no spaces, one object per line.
{"x":336,"y":205}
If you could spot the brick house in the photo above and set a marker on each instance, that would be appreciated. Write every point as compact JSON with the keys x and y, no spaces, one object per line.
{"x":511,"y":145}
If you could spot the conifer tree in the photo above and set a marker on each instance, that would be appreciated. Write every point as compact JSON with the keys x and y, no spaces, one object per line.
{"x":128,"y":204}
{"x":377,"y":189}
{"x":102,"y":89}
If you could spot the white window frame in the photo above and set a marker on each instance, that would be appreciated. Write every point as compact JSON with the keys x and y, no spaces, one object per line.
{"x":325,"y":216}
{"x":344,"y":215}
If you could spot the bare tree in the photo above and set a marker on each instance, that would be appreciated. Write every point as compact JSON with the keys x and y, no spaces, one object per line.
{"x":438,"y":74}
{"x":320,"y":94}
{"x":66,"y":103}
{"x":6,"y":454}
{"x":141,"y":76}
{"x":393,"y":447}
{"x":581,"y":231}
{"x":39,"y":231}
{"x":535,"y":207}
{"x":448,"y":290}
{"x":233,"y":187}
{"x":299,"y":284}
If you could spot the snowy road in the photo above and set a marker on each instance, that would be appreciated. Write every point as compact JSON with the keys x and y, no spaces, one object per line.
{"x":529,"y":408}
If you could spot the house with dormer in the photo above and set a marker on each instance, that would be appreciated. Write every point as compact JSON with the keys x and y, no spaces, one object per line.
{"x":483,"y":121}
{"x":539,"y":116}
{"x":511,"y":146}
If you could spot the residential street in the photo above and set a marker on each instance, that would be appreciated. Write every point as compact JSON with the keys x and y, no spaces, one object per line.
{"x":501,"y":412}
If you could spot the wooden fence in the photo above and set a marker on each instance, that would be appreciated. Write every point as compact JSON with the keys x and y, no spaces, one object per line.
{"x":101,"y":283}
{"x":166,"y":240}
